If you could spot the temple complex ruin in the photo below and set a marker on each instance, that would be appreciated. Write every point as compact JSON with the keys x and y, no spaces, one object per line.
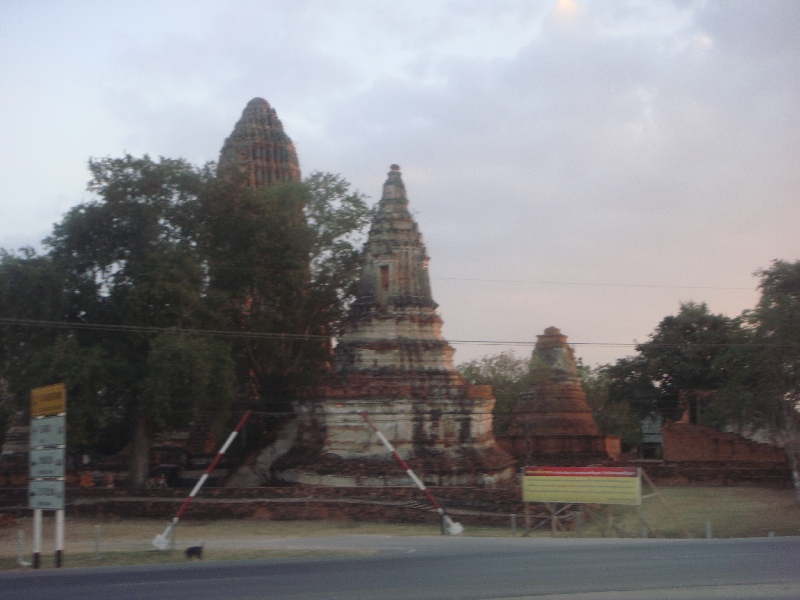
{"x":552,"y":421}
{"x":260,"y":148}
{"x":393,"y":363}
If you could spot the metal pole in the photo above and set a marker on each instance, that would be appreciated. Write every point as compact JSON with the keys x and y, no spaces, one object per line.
{"x":59,"y":536}
{"x":37,"y":537}
{"x":579,"y":521}
{"x":708,"y":530}
{"x":513,"y":525}
{"x":97,"y":542}
{"x":21,"y":549}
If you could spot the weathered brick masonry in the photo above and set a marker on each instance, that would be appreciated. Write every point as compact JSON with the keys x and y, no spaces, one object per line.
{"x":698,"y":443}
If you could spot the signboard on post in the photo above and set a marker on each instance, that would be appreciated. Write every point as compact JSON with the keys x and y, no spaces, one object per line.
{"x":46,"y":462}
{"x":583,"y":485}
{"x":48,"y":431}
{"x":46,"y":494}
{"x":49,"y":400}
{"x":46,"y":466}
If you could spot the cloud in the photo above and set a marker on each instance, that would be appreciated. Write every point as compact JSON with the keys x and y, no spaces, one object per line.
{"x":577,"y":141}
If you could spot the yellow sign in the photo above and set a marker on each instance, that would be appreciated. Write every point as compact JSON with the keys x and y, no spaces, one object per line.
{"x":47,"y":401}
{"x":583,"y":485}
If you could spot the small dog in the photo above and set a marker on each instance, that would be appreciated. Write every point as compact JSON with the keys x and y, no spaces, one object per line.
{"x":194,"y":552}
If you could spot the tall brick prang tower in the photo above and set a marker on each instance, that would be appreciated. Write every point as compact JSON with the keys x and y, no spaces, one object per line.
{"x":393,"y":363}
{"x":260,"y":148}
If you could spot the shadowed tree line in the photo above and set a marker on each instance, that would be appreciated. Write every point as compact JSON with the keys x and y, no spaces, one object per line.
{"x":747,"y":368}
{"x":167,"y":245}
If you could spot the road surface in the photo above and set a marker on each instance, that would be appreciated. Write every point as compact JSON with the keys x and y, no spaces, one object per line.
{"x":433,"y":568}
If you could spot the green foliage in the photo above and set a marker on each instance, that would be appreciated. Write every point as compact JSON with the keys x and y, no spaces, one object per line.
{"x":170,"y":246}
{"x":762,"y":370}
{"x":282,"y":260}
{"x":613,"y":416}
{"x":128,"y":258}
{"x":508,"y":375}
{"x":682,"y":354}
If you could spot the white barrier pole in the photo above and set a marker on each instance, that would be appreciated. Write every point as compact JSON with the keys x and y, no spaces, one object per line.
{"x":59,"y":536}
{"x":37,"y":537}
{"x":162,"y":540}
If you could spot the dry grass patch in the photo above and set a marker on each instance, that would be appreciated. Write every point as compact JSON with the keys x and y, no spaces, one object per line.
{"x":732,"y":512}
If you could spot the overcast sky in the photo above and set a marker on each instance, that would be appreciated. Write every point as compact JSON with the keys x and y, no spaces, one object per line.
{"x":563,"y":159}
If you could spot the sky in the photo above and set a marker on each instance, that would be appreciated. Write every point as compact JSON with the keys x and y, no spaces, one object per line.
{"x":584,"y":164}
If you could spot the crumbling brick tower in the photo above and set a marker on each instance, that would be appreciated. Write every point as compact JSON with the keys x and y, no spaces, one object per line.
{"x":552,"y":423}
{"x":393,"y":363}
{"x":260,"y":148}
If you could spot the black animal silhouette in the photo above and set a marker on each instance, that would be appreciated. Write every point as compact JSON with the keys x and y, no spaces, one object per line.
{"x":194,"y":552}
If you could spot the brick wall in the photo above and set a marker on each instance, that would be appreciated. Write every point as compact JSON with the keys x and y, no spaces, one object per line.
{"x":684,"y":442}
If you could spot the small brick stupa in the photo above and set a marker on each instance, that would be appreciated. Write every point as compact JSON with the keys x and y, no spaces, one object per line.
{"x":552,"y":421}
{"x":393,"y":363}
{"x":260,"y":147}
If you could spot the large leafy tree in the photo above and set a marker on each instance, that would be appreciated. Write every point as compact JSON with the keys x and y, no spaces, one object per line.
{"x":282,"y":262}
{"x":171,"y":248}
{"x":762,"y":391}
{"x":681,"y":355}
{"x":131,"y":259}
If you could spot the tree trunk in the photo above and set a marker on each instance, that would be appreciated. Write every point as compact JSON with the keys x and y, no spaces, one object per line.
{"x":139,"y":466}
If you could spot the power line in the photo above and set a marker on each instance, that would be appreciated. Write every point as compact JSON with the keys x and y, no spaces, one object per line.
{"x":627,"y":285}
{"x":300,"y":336}
{"x":144,"y":329}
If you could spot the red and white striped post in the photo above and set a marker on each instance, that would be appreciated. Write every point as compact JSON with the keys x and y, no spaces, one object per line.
{"x":161,"y":541}
{"x":452,"y":527}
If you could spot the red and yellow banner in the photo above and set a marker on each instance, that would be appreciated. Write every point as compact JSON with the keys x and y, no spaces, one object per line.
{"x":586,"y":485}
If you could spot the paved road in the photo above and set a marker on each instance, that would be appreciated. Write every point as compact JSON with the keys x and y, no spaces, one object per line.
{"x":411,"y":568}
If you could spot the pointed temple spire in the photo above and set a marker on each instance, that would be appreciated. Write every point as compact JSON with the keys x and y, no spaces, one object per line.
{"x":393,"y":324}
{"x":260,"y":147}
{"x":393,"y":364}
{"x":556,"y":403}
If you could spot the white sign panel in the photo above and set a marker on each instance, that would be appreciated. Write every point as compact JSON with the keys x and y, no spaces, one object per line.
{"x":47,"y":462}
{"x":48,"y":431}
{"x":47,"y":495}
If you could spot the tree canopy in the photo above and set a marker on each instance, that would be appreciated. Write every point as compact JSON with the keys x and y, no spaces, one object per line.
{"x":164,"y":249}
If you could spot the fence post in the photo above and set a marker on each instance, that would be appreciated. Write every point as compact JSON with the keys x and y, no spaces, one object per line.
{"x":513,"y":525}
{"x":97,"y":542}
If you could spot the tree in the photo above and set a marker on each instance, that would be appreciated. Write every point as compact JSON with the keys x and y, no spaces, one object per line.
{"x":613,"y":416}
{"x":762,"y":391}
{"x":172,"y":248}
{"x":681,"y":355}
{"x":283,"y":262}
{"x":130,"y":258}
{"x":508,"y":375}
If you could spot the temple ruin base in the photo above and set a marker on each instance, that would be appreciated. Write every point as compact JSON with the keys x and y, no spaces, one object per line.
{"x":438,"y":424}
